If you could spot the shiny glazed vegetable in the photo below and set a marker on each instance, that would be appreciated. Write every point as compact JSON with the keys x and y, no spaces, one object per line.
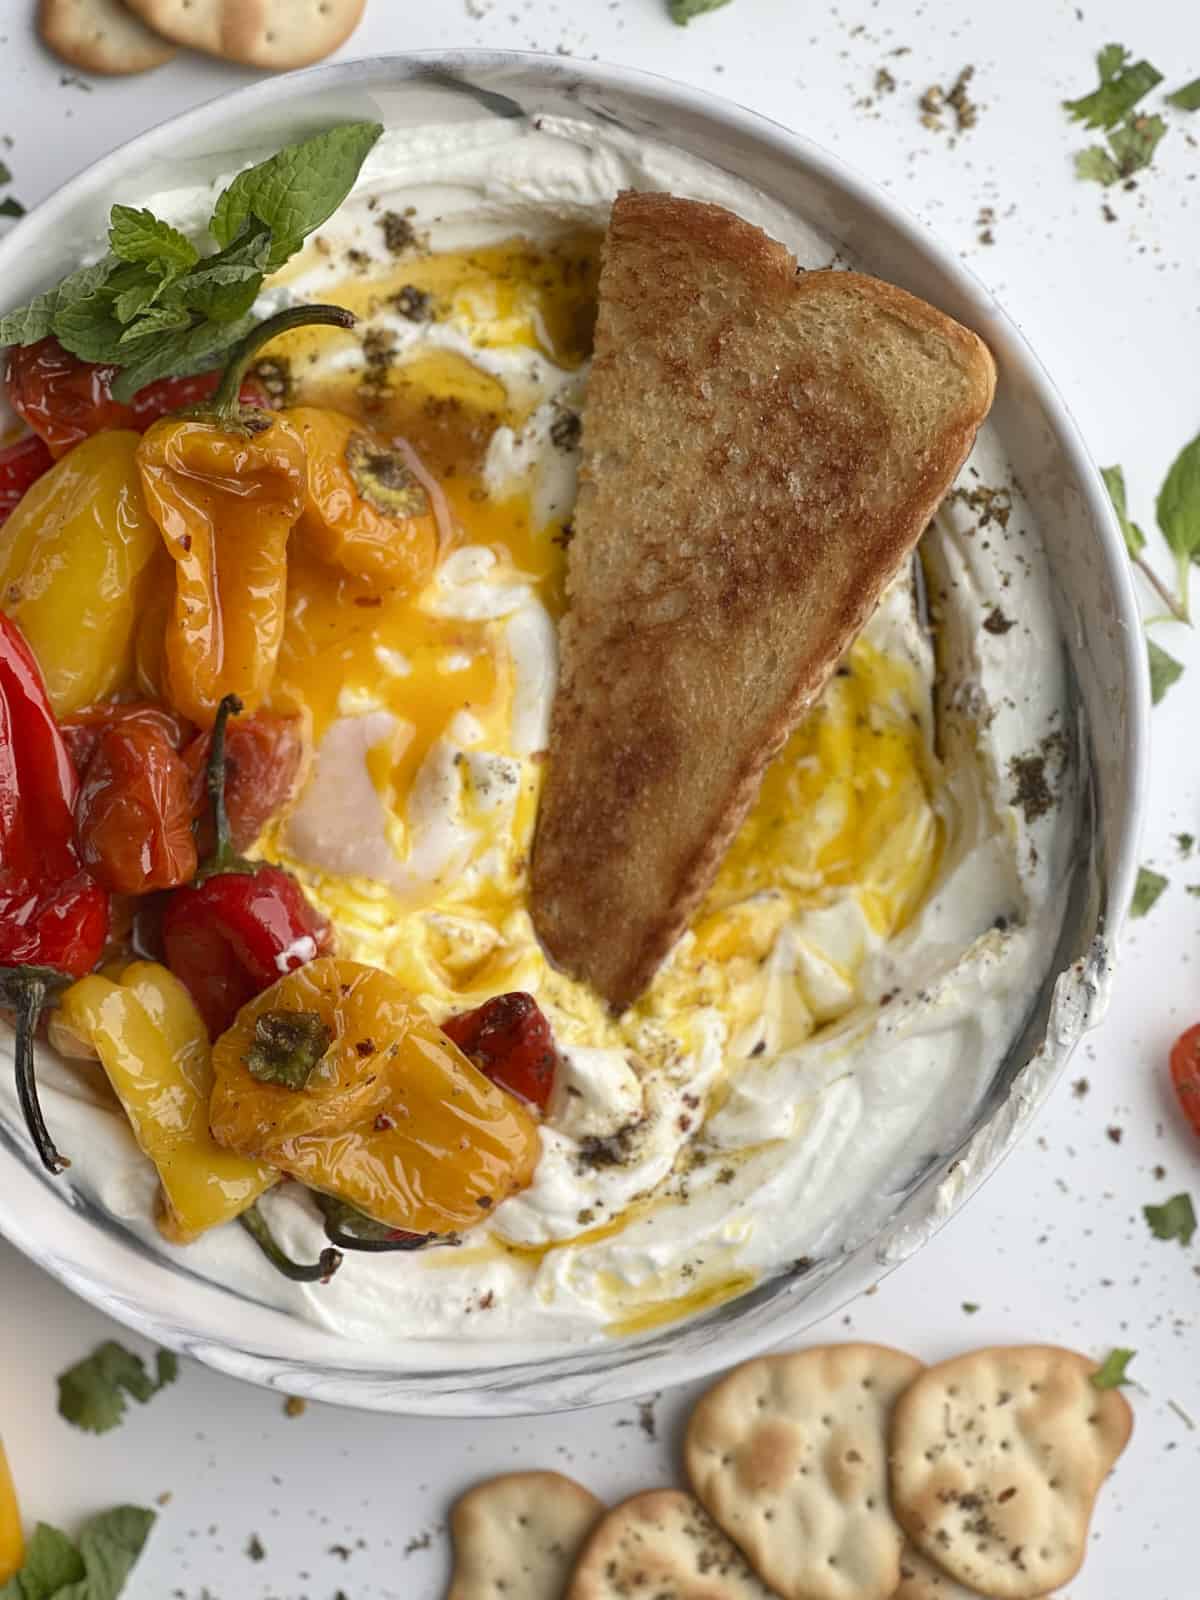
{"x":12,"y":1546}
{"x":509,"y":1040}
{"x":226,"y":484}
{"x":337,"y":1076}
{"x":77,"y":558}
{"x":1185,"y":1074}
{"x":154,"y":1047}
{"x":368,"y":507}
{"x":133,"y":818}
{"x":262,"y":761}
{"x":21,"y":464}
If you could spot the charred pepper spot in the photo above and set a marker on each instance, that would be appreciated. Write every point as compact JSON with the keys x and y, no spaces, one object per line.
{"x":287,"y":1047}
{"x":385,"y":479}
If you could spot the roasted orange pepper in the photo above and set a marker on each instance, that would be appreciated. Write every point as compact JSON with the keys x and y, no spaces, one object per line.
{"x":226,"y":483}
{"x":12,"y":1546}
{"x":336,"y":1076}
{"x":369,"y":506}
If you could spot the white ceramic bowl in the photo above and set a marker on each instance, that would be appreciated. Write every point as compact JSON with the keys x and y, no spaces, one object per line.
{"x":91,"y":1253}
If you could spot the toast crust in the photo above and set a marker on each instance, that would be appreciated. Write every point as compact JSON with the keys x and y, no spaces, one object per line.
{"x":762,"y":448}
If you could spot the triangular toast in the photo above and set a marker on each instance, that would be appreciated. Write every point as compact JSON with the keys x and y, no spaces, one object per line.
{"x":762,"y":448}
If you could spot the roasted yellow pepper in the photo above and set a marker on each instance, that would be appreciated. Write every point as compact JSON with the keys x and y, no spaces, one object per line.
{"x":367,"y":509}
{"x":12,"y":1546}
{"x":336,"y":1075}
{"x":154,"y":1047}
{"x":226,"y":484}
{"x":77,"y":558}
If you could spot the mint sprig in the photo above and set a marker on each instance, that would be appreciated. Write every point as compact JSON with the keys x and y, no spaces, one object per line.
{"x":55,"y":1569}
{"x":1122,"y":85}
{"x":155,"y":306}
{"x":91,"y":1394}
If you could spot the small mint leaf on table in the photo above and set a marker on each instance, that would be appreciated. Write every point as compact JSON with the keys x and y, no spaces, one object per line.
{"x":110,"y":1545}
{"x":140,"y":236}
{"x":1178,"y":509}
{"x":683,"y":11}
{"x":1096,"y":165}
{"x":1164,"y":670}
{"x":1114,"y":482}
{"x":1174,"y":1219}
{"x":1146,"y":891}
{"x":1133,"y":144}
{"x":91,"y":1394}
{"x":1111,"y":1374}
{"x":1122,"y":85}
{"x":51,"y":1563}
{"x":1186,"y":98}
{"x":11,"y":207}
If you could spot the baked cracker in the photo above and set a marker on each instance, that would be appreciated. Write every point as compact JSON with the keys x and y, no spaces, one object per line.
{"x":276,"y":34}
{"x":921,"y":1579}
{"x":789,"y":1454}
{"x":996,"y":1461}
{"x":516,"y":1537}
{"x":101,"y":36}
{"x":662,"y":1543}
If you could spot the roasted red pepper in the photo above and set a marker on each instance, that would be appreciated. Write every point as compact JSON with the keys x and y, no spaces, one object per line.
{"x":21,"y":464}
{"x":64,"y":399}
{"x":1185,"y":1074}
{"x":84,"y":731}
{"x":133,"y":817}
{"x":53,"y":915}
{"x":262,"y":759}
{"x":243,"y":924}
{"x":509,"y":1040}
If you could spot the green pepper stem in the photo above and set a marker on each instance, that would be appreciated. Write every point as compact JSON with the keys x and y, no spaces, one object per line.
{"x":225,"y":401}
{"x":320,"y":1271}
{"x":25,"y":990}
{"x":214,"y":781}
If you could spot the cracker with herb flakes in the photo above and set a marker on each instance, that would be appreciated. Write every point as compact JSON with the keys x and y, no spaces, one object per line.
{"x":662,"y":1545}
{"x":276,"y":34}
{"x":101,"y":36}
{"x":996,"y":1461}
{"x":789,"y":1454}
{"x":519,"y":1535}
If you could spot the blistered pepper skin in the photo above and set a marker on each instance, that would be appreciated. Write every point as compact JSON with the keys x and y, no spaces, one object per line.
{"x":394,"y":1119}
{"x":154,"y":1049}
{"x":78,"y":558}
{"x":226,"y":503}
{"x":12,"y":1545}
{"x":369,"y":505}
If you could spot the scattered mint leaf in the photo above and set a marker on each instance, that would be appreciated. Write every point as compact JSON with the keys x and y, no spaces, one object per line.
{"x":9,"y":207}
{"x":5,"y":172}
{"x":297,"y":189}
{"x":1133,"y":144}
{"x":1114,"y":482}
{"x":110,"y":1545}
{"x":970,"y":1307}
{"x":34,"y":321}
{"x":51,"y":1562}
{"x":88,"y":326}
{"x":1187,"y":98}
{"x":1178,"y":509}
{"x":1193,"y":889}
{"x":1111,"y":1373}
{"x":1185,"y":843}
{"x":178,"y":355}
{"x":166,"y":1368}
{"x":1121,"y":87}
{"x":682,"y":11}
{"x":141,"y":236}
{"x":1095,"y":165}
{"x":91,"y":1394}
{"x":1164,"y":670}
{"x":1176,"y":1219}
{"x":1146,"y":891}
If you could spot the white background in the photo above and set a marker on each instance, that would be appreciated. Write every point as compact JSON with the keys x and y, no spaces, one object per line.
{"x":1055,"y":1248}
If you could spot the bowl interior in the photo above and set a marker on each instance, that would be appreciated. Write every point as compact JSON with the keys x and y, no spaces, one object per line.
{"x":93,"y":1255}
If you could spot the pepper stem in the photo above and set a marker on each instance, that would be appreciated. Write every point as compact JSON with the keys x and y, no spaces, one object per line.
{"x":320,"y":1271}
{"x":214,"y":781}
{"x":25,"y":990}
{"x":352,"y":1229}
{"x":225,"y":403}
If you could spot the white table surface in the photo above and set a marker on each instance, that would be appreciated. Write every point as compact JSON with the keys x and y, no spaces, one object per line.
{"x":1055,"y":1247}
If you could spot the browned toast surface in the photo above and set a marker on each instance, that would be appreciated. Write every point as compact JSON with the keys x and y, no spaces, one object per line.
{"x":762,"y":449}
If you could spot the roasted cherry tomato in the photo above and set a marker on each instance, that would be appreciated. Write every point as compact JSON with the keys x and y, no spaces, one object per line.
{"x":509,"y":1040}
{"x":262,"y":758}
{"x":84,"y":731}
{"x":133,"y":817}
{"x":21,"y":464}
{"x":1185,"y":1074}
{"x":64,"y":399}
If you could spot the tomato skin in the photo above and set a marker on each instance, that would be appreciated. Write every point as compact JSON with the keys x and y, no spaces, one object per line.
{"x":263,"y":753}
{"x":510,"y":1042}
{"x":1185,"y":1074}
{"x":133,"y":817}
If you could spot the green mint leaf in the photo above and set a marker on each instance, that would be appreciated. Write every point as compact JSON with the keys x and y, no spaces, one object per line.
{"x":140,"y":294}
{"x":91,"y":1394}
{"x":178,"y":355}
{"x":1187,"y":98}
{"x":10,"y":207}
{"x":1133,"y":144}
{"x":166,"y":1368}
{"x":1121,"y":87}
{"x":1146,"y":891}
{"x":1164,"y":670}
{"x":1114,"y":482}
{"x":295,"y":190}
{"x":1111,"y":1373}
{"x":222,"y":293}
{"x":1176,"y":1219}
{"x":35,"y":320}
{"x":51,"y":1562}
{"x":5,"y":172}
{"x":110,"y":1545}
{"x":141,"y":236}
{"x":89,"y":327}
{"x":155,"y":320}
{"x":1095,"y":165}
{"x":1178,"y":505}
{"x":682,"y":11}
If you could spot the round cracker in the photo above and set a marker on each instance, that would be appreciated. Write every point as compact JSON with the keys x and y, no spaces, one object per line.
{"x":276,"y":34}
{"x":921,"y":1579}
{"x":519,"y":1535}
{"x":101,"y":36}
{"x":662,"y":1543}
{"x":996,"y":1461}
{"x":789,"y":1455}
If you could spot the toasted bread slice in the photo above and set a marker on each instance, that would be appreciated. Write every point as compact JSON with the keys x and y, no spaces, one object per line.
{"x":762,"y":448}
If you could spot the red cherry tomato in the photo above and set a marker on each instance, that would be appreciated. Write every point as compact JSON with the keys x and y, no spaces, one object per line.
{"x":509,"y":1040}
{"x":1185,"y":1074}
{"x":262,"y":758}
{"x":21,"y":464}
